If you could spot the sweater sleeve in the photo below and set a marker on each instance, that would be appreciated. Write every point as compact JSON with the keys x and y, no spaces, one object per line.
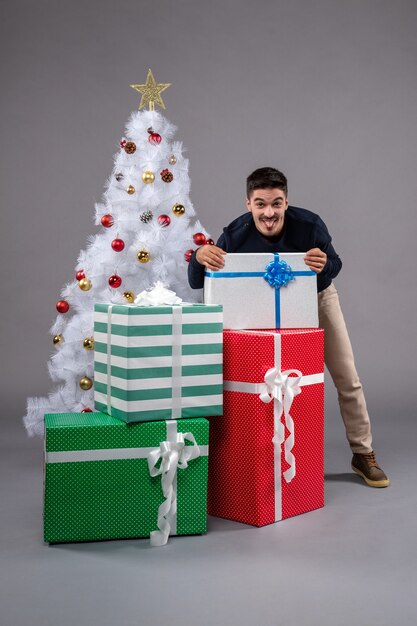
{"x":196,"y":270}
{"x":195,"y":273}
{"x":324,"y":242}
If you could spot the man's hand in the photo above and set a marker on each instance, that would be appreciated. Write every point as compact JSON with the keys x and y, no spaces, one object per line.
{"x":316,"y":260}
{"x":211,"y":257}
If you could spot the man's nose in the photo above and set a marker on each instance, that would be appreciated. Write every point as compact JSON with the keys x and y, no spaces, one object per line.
{"x":269,"y":211}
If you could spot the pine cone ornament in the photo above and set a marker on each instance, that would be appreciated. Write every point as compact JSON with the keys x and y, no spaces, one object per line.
{"x":167,"y":176}
{"x":130,"y":147}
{"x":146,"y":217}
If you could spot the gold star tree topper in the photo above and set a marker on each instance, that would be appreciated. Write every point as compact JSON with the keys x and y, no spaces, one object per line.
{"x":151,"y":92}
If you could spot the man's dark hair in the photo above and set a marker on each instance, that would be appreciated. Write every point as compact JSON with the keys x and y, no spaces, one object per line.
{"x":266,"y":178}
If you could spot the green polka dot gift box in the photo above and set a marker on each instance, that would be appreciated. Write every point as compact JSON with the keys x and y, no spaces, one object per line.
{"x":158,"y":362}
{"x":105,"y":479}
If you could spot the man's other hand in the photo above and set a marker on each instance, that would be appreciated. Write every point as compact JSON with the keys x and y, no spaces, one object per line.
{"x":211,"y":257}
{"x":316,"y":260}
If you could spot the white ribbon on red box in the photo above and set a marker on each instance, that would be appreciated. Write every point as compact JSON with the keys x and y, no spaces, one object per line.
{"x":281,"y":388}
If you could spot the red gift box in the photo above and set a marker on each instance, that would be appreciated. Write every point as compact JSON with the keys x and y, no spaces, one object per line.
{"x":267,"y":450}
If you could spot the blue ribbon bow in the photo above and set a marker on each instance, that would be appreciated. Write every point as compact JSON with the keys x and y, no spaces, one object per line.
{"x":278,"y":273}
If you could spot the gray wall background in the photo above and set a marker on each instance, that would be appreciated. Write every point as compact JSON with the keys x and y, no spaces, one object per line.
{"x":324,"y":90}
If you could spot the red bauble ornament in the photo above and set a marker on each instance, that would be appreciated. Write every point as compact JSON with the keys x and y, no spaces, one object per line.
{"x":115,"y":281}
{"x":188,"y":255}
{"x":87,"y":410}
{"x":117,"y":245}
{"x":154,"y":138}
{"x":164,"y":220}
{"x":199,"y":239}
{"x":62,"y":306}
{"x":79,"y":275}
{"x":209,"y":242}
{"x":107,"y":220}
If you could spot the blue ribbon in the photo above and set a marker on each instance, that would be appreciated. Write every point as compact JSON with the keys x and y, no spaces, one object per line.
{"x":277,"y":274}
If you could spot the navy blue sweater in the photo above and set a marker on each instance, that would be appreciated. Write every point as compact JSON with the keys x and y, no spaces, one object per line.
{"x":302,"y":231}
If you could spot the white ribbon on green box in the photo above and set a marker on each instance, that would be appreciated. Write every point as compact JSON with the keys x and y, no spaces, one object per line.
{"x":281,"y":388}
{"x":173,"y":454}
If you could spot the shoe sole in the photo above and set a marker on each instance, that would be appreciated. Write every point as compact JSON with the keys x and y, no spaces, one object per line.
{"x":369,"y":482}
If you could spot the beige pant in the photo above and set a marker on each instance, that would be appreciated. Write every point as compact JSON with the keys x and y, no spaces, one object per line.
{"x":338,"y":356}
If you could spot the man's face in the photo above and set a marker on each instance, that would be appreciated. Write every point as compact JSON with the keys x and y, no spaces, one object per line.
{"x":268,"y":208}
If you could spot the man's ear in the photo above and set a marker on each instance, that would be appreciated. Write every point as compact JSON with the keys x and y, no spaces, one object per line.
{"x":248,"y":205}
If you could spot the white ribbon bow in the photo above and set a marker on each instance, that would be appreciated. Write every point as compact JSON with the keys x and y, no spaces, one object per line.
{"x":282,"y":388}
{"x":172,"y":454}
{"x":158,"y":295}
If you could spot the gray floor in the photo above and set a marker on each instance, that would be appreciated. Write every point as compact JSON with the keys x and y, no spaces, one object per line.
{"x":353,"y":562}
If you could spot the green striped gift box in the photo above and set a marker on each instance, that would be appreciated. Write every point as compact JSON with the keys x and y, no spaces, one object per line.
{"x":159,"y":362}
{"x":97,"y":480}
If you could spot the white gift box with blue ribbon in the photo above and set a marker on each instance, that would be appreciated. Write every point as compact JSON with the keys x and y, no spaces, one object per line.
{"x":258,"y":290}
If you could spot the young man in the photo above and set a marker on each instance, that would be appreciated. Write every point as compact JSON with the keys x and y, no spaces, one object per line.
{"x":271,"y":225}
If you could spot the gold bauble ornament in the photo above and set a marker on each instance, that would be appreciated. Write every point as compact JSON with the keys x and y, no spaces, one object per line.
{"x":178,"y":209}
{"x":130,"y":190}
{"x":143,"y":256}
{"x":88,"y":343}
{"x":129,"y":296}
{"x":58,"y":339}
{"x":148,"y":177}
{"x":84,"y":284}
{"x":86,"y":383}
{"x":172,"y":159}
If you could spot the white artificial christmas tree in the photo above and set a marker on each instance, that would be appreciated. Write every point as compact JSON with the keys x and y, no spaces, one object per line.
{"x":148,"y":228}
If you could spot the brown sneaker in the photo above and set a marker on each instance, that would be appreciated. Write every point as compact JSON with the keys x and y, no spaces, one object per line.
{"x":366,"y":466}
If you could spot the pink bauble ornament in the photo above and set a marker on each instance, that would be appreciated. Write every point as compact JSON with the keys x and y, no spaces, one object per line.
{"x":164,"y":220}
{"x":154,"y":138}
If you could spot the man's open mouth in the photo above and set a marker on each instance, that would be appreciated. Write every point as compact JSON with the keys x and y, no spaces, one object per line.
{"x":269,"y":222}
